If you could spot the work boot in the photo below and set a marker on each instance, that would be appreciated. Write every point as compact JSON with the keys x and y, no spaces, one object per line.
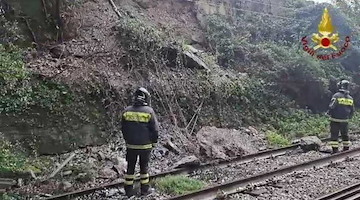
{"x":129,"y":190}
{"x":146,"y":190}
{"x":346,"y":148}
{"x":335,"y":150}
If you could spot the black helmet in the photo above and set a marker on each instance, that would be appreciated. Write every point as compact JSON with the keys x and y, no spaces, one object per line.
{"x":142,"y":97}
{"x":343,"y":85}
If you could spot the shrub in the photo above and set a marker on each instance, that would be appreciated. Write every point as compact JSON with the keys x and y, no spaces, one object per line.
{"x":6,"y":196}
{"x":18,"y":88}
{"x":300,"y":123}
{"x":15,"y":160}
{"x":9,"y":160}
{"x":276,"y":139}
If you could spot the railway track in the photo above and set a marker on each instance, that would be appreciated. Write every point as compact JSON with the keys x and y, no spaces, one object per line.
{"x":229,"y":187}
{"x":349,"y":193}
{"x":240,"y":160}
{"x":232,"y":187}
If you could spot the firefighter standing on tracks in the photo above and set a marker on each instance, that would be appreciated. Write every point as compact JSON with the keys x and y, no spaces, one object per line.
{"x":341,"y":109}
{"x":140,"y":130}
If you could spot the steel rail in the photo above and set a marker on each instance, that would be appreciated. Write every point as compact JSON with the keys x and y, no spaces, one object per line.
{"x":232,"y":187}
{"x":239,"y":159}
{"x":350,"y":192}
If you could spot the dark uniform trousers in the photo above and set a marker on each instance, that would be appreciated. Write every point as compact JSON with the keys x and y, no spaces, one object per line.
{"x":335,"y":128}
{"x":132,"y":157}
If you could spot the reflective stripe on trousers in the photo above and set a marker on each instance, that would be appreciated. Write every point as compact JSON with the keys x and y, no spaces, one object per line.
{"x":338,"y":120}
{"x":144,"y":178}
{"x":346,"y":143}
{"x":129,"y":179}
{"x":334,"y":144}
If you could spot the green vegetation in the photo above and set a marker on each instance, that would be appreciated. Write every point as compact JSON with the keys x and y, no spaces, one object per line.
{"x":9,"y":160}
{"x":280,"y":74}
{"x":143,"y":42}
{"x":10,"y":32}
{"x":178,"y":185}
{"x":19,"y":90}
{"x":275,"y":139}
{"x":354,"y":124}
{"x":220,"y":35}
{"x":255,"y":100}
{"x":301,"y":124}
{"x":6,"y":196}
{"x":12,"y":160}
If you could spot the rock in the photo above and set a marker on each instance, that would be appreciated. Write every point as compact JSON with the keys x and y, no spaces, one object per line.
{"x":65,"y":185}
{"x":101,"y":156}
{"x":198,"y":39}
{"x":6,"y":183}
{"x":189,"y":161}
{"x":107,"y":173}
{"x":59,"y":51}
{"x":85,"y":177}
{"x":144,"y":4}
{"x":325,"y":149}
{"x":67,"y":173}
{"x":192,"y":49}
{"x":172,"y":147}
{"x":20,"y":182}
{"x":253,"y":131}
{"x":51,"y":140}
{"x":161,"y":152}
{"x":296,"y":141}
{"x":112,"y":192}
{"x":219,"y":143}
{"x":119,"y":161}
{"x":194,"y":62}
{"x":310,"y":143}
{"x":199,"y":47}
{"x":92,"y":161}
{"x":262,"y":148}
{"x":257,"y":192}
{"x":120,"y":169}
{"x":171,"y":54}
{"x":32,"y":174}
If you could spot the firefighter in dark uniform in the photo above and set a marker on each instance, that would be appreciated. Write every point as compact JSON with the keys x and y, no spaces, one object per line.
{"x":341,"y":109}
{"x":140,"y":130}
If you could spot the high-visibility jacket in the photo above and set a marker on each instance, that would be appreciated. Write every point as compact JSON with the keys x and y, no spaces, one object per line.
{"x":140,"y":127}
{"x":341,"y":107}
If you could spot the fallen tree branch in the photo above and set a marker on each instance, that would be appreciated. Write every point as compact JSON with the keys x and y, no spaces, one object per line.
{"x":44,"y":8}
{"x":115,"y":8}
{"x":32,"y":174}
{"x":30,"y":29}
{"x":62,"y":165}
{"x":195,"y":121}
{"x":181,"y":112}
{"x":195,"y":114}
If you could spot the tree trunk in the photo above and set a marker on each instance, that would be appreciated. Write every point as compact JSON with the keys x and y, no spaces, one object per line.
{"x":59,"y":22}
